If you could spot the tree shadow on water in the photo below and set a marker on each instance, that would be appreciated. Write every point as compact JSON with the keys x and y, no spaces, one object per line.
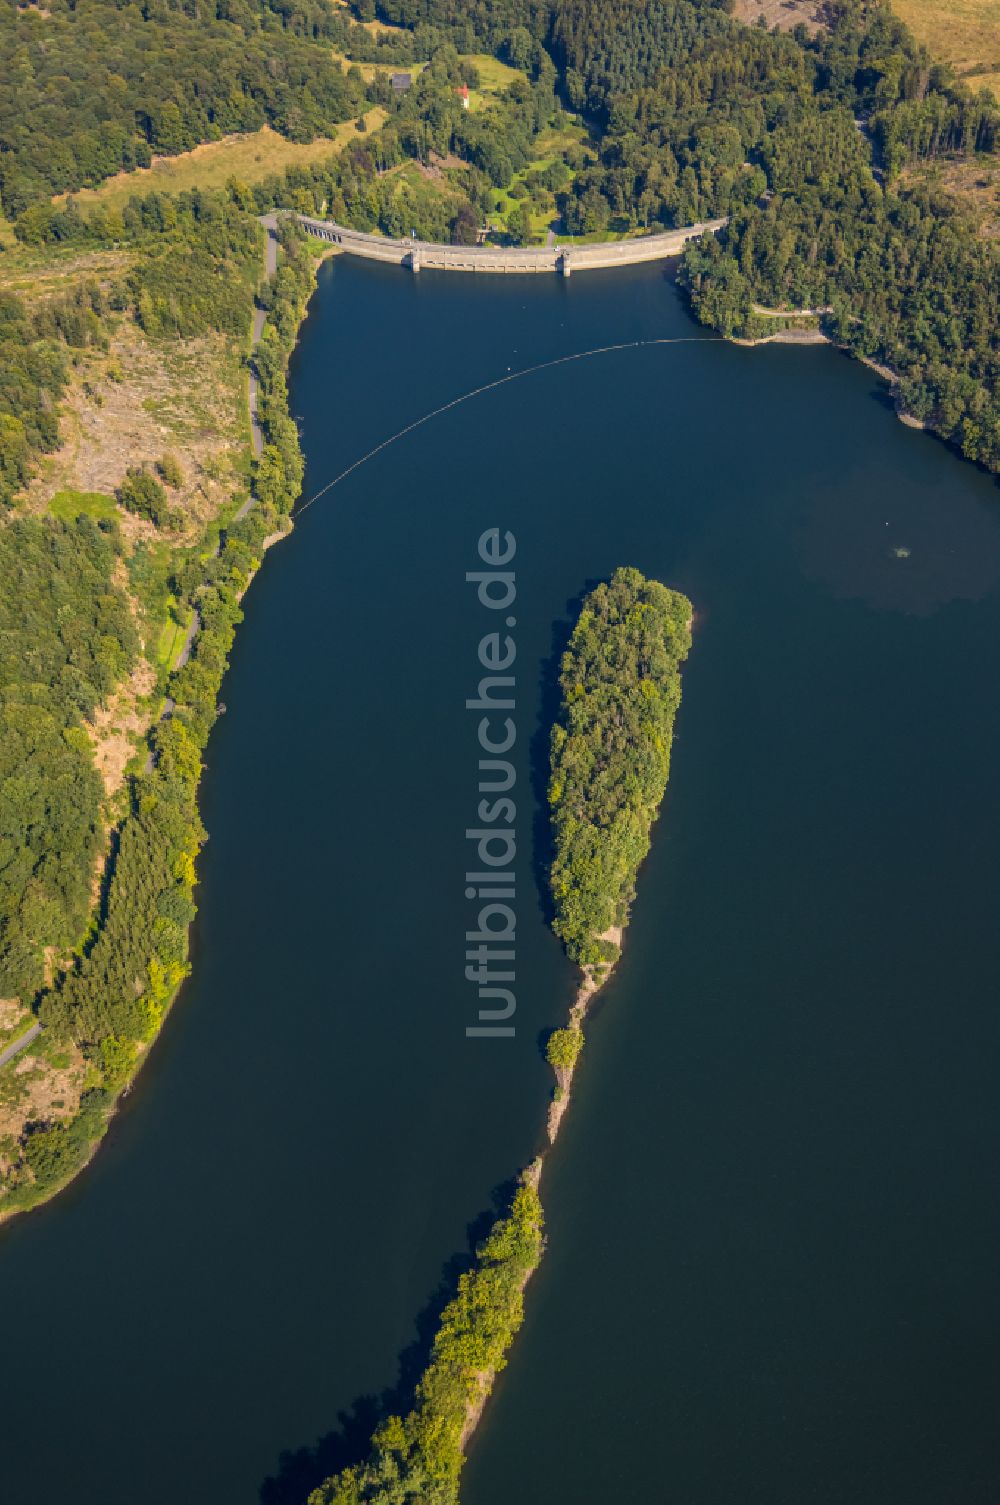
{"x":303,"y":1469}
{"x":884,"y":397}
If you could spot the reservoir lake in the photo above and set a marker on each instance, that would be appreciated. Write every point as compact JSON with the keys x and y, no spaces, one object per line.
{"x":773,"y":1219}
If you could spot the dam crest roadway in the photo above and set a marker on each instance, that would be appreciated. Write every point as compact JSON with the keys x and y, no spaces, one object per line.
{"x":417,"y":254}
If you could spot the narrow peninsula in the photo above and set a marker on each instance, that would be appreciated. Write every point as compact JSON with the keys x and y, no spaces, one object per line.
{"x":610,"y":760}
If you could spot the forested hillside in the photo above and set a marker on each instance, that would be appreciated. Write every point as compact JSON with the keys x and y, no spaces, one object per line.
{"x":802,"y":140}
{"x":196,"y":271}
{"x":66,"y":639}
{"x":32,"y":379}
{"x":95,"y":87}
{"x":96,"y":882}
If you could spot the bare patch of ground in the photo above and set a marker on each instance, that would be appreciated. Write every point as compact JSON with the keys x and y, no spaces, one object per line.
{"x":434,"y":171}
{"x":41,"y":1086}
{"x":785,"y":14}
{"x":971,"y":183}
{"x":787,"y":337}
{"x":116,"y":729}
{"x":589,"y":985}
{"x":439,"y":165}
{"x":964,"y":33}
{"x":273,"y":538}
{"x":139,"y":401}
{"x":40,"y":274}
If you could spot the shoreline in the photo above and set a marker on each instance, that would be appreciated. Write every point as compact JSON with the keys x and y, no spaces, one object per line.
{"x":486,"y":1378}
{"x":144,"y":1047}
{"x":589,"y":985}
{"x":817,"y":337}
{"x":52,"y":1192}
{"x":588,"y":988}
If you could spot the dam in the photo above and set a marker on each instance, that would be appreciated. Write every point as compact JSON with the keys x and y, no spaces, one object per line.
{"x":416,"y":254}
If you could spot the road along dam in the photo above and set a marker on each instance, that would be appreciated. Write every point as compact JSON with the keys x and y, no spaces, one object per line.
{"x":418,"y":254}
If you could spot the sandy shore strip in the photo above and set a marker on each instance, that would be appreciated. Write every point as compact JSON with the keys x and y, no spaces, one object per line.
{"x":589,"y":985}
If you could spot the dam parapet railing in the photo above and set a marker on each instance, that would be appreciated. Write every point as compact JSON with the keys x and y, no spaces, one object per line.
{"x":418,"y":254}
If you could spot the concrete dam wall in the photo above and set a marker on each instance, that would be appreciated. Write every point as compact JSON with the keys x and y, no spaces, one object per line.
{"x":417,"y":254}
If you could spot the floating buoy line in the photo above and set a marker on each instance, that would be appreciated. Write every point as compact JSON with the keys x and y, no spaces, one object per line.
{"x":491,"y":386}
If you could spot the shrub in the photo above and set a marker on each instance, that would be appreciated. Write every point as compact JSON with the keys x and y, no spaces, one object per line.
{"x":563,"y":1049}
{"x":169,"y":470}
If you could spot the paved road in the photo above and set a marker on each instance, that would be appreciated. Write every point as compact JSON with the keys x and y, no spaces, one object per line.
{"x":270,"y":266}
{"x":419,"y":254}
{"x":189,"y":638}
{"x":256,"y":437}
{"x":270,"y":224}
{"x":19,"y":1045}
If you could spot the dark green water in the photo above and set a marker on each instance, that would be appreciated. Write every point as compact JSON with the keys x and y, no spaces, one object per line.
{"x":773,"y":1216}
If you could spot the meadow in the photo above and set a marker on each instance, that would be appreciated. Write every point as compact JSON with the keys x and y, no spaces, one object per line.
{"x":964,"y":33}
{"x":248,"y":158}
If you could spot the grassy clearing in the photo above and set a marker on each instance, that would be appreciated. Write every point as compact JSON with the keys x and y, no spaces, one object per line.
{"x":595,"y":238}
{"x":375,"y":28}
{"x":369,"y":70}
{"x":118,"y":729}
{"x":382,"y":28}
{"x":973,"y":182}
{"x":149,"y":570}
{"x":171,"y":638}
{"x":551,"y":147}
{"x":38,"y":273}
{"x":494,"y":78}
{"x":68,"y":505}
{"x":43,"y":1083}
{"x":248,"y":158}
{"x":965,"y":33}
